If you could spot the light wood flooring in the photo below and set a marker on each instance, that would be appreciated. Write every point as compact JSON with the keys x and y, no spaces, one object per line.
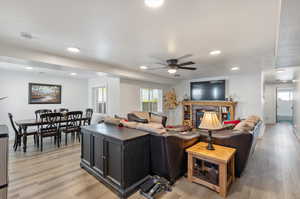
{"x":273,"y":172}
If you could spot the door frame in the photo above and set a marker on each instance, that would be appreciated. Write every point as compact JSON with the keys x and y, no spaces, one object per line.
{"x":276,"y":104}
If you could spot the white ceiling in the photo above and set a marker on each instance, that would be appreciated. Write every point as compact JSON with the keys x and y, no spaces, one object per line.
{"x":62,"y":71}
{"x":283,"y":76}
{"x":289,"y":34}
{"x":128,"y":34}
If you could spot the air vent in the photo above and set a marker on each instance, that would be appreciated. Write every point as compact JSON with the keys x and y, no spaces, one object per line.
{"x":26,"y":35}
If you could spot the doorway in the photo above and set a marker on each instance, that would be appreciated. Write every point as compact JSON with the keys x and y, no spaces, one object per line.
{"x":284,"y":111}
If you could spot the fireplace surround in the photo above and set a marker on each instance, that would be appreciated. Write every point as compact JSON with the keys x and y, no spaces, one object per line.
{"x":193,"y":111}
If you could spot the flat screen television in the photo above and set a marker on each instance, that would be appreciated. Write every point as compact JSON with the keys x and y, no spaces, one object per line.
{"x":208,"y":90}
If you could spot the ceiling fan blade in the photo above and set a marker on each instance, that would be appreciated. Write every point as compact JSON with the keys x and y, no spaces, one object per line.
{"x":186,"y":63}
{"x":160,"y":63}
{"x":156,"y":68}
{"x":184,"y":56}
{"x":187,"y":68}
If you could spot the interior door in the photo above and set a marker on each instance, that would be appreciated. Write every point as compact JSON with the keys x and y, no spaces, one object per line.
{"x":284,"y":105}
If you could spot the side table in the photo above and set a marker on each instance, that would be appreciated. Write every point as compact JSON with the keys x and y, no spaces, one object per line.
{"x":202,"y":163}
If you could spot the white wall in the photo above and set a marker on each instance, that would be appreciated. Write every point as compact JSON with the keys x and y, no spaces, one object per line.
{"x":123,"y":95}
{"x":246,"y":90}
{"x":296,"y":118}
{"x":269,"y":111}
{"x":15,"y":86}
{"x":113,"y":92}
{"x":130,"y":94}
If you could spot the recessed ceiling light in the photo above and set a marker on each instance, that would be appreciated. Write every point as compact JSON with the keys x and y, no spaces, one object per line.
{"x":215,"y":52}
{"x":235,"y":68}
{"x":154,"y":3}
{"x":143,"y":67}
{"x":294,"y":80}
{"x":172,"y":71}
{"x":73,"y":50}
{"x":280,"y":71}
{"x":28,"y":68}
{"x":73,"y":74}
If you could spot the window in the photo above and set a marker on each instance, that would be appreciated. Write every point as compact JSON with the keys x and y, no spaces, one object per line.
{"x":100,"y":99}
{"x":151,"y":100}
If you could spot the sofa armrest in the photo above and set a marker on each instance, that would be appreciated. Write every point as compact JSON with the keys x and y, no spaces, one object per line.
{"x":242,"y":142}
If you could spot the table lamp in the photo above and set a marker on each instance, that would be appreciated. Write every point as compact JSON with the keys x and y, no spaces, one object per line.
{"x":210,"y":122}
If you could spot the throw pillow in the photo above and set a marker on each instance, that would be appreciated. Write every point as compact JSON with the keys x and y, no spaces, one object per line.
{"x":111,"y":120}
{"x":250,"y":124}
{"x":243,"y":127}
{"x":234,"y":122}
{"x":253,"y":118}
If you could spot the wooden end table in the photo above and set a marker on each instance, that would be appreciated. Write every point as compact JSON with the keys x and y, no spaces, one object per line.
{"x":221,"y":160}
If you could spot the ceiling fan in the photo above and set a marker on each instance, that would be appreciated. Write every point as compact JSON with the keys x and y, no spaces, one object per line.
{"x":173,"y":64}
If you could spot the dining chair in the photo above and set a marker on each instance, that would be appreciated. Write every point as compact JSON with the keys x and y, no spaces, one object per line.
{"x":89,"y":114}
{"x":41,"y":111}
{"x":19,"y":134}
{"x":73,"y":125}
{"x":49,"y":127}
{"x":63,"y":110}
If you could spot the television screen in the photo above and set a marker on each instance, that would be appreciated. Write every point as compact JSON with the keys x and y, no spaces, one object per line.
{"x":208,"y":90}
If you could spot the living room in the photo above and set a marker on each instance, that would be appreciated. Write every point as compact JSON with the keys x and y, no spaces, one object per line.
{"x":149,"y":99}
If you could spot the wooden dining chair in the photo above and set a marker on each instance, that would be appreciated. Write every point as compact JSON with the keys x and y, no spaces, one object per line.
{"x":19,"y":135}
{"x":73,"y":125}
{"x":41,"y":111}
{"x":49,"y":127}
{"x":88,"y":114}
{"x":63,"y":110}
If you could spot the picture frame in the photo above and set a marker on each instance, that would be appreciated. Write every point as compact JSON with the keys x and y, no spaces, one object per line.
{"x":39,"y":93}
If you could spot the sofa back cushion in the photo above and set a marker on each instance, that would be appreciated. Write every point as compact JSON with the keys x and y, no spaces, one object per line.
{"x":142,"y":115}
{"x":156,"y":119}
{"x":152,"y":127}
{"x":129,"y":124}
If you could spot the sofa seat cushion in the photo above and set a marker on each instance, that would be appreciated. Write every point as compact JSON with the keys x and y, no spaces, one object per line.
{"x":178,"y":128}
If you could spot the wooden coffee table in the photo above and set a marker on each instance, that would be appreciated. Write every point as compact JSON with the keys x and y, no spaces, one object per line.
{"x":221,"y":159}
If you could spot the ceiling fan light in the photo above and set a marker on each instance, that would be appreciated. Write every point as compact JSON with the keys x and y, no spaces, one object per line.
{"x":172,"y":71}
{"x":154,"y":3}
{"x":143,"y":67}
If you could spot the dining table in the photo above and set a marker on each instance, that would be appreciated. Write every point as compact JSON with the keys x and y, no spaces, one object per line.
{"x":24,"y":124}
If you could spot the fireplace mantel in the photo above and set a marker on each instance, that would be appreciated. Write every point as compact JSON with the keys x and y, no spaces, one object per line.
{"x":223,"y":107}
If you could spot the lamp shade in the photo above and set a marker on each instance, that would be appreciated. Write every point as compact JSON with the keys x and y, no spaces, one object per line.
{"x":210,"y":121}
